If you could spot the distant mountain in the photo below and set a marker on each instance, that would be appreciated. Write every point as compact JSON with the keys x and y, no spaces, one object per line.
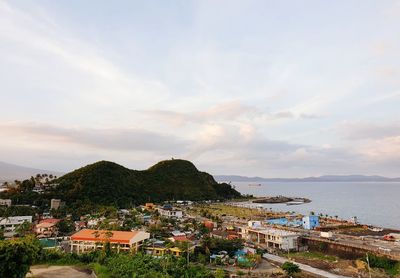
{"x":11,"y":172}
{"x":327,"y":178}
{"x":107,"y":183}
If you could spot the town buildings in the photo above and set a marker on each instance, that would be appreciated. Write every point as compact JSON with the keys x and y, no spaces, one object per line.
{"x":10,"y":224}
{"x":86,"y":240}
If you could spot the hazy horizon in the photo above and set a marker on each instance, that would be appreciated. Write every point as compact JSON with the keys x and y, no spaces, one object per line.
{"x":251,"y":88}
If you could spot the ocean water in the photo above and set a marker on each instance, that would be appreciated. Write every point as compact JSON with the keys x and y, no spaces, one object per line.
{"x":374,"y":203}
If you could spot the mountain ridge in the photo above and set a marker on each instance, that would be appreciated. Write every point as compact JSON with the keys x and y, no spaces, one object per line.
{"x":11,"y":172}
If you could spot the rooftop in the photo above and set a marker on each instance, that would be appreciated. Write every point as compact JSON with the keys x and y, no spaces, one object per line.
{"x":101,"y":235}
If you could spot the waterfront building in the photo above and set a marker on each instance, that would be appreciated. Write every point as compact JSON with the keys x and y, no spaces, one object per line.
{"x":271,"y":238}
{"x":87,"y":240}
{"x":310,"y":222}
{"x":10,"y":224}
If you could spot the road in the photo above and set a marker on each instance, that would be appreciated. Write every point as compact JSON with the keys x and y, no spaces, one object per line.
{"x":303,"y":267}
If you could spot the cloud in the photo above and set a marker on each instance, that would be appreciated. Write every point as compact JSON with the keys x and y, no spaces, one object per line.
{"x":115,"y":139}
{"x":369,"y":130}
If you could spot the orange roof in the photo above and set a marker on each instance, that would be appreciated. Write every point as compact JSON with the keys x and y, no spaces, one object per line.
{"x":100,"y":235}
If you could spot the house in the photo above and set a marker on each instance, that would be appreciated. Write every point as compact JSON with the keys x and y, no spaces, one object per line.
{"x":158,"y":248}
{"x":47,"y":228}
{"x":177,"y":252}
{"x":210,"y":225}
{"x":10,"y":224}
{"x":227,"y":234}
{"x":169,"y":212}
{"x":149,"y":206}
{"x":271,"y":238}
{"x":178,"y":233}
{"x":5,"y":202}
{"x":79,"y":225}
{"x":56,"y":204}
{"x":310,"y":222}
{"x":87,"y":240}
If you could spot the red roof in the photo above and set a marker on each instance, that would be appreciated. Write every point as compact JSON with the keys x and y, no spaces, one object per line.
{"x":100,"y":235}
{"x":180,"y":238}
{"x":50,"y":220}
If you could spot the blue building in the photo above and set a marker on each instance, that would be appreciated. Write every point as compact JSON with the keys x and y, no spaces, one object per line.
{"x":310,"y":222}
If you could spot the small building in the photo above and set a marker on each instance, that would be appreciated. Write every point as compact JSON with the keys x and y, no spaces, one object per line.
{"x":47,"y":228}
{"x":10,"y":224}
{"x":310,"y":222}
{"x":149,"y":206}
{"x":87,"y":240}
{"x":210,"y":225}
{"x":55,"y":204}
{"x":254,"y":224}
{"x":227,"y":234}
{"x":170,"y":213}
{"x":5,"y":202}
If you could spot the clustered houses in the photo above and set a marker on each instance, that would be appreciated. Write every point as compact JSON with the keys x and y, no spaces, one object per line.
{"x":88,"y":240}
{"x":11,"y":224}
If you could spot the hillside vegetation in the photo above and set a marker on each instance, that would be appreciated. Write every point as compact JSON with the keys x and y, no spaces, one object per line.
{"x":107,"y":183}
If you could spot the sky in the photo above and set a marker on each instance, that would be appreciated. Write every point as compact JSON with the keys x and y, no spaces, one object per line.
{"x":256,"y":88}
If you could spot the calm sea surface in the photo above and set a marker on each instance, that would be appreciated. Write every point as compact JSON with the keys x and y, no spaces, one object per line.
{"x":376,"y":203}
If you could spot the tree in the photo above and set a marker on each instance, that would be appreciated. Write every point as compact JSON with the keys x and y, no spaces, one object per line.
{"x":17,"y":255}
{"x":290,"y":268}
{"x":24,"y":229}
{"x":65,"y":227}
{"x":219,"y":273}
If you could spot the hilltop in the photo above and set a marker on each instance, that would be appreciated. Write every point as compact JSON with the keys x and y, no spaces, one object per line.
{"x":107,"y":183}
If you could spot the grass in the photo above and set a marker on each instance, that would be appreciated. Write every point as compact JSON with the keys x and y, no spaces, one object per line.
{"x":100,"y":270}
{"x":240,"y":212}
{"x":314,"y":256}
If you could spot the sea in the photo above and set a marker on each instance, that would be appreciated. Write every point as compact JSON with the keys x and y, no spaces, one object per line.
{"x":373,"y":203}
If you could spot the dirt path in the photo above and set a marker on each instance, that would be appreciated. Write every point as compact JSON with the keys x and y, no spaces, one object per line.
{"x":59,"y":272}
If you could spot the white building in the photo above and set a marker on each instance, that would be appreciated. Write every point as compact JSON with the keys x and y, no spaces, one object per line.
{"x":271,"y":238}
{"x":171,"y":213}
{"x":9,"y":224}
{"x":55,"y":203}
{"x":5,"y":202}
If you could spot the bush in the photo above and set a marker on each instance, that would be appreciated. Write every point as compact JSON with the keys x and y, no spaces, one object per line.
{"x":390,"y":266}
{"x":290,"y":268}
{"x":17,"y":255}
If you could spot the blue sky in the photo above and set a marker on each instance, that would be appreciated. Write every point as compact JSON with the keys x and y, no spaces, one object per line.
{"x":268,"y":88}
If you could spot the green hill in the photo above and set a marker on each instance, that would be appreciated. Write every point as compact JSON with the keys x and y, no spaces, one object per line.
{"x":107,"y":183}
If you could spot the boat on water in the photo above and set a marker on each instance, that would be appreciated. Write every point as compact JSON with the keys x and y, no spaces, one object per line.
{"x":255,"y":184}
